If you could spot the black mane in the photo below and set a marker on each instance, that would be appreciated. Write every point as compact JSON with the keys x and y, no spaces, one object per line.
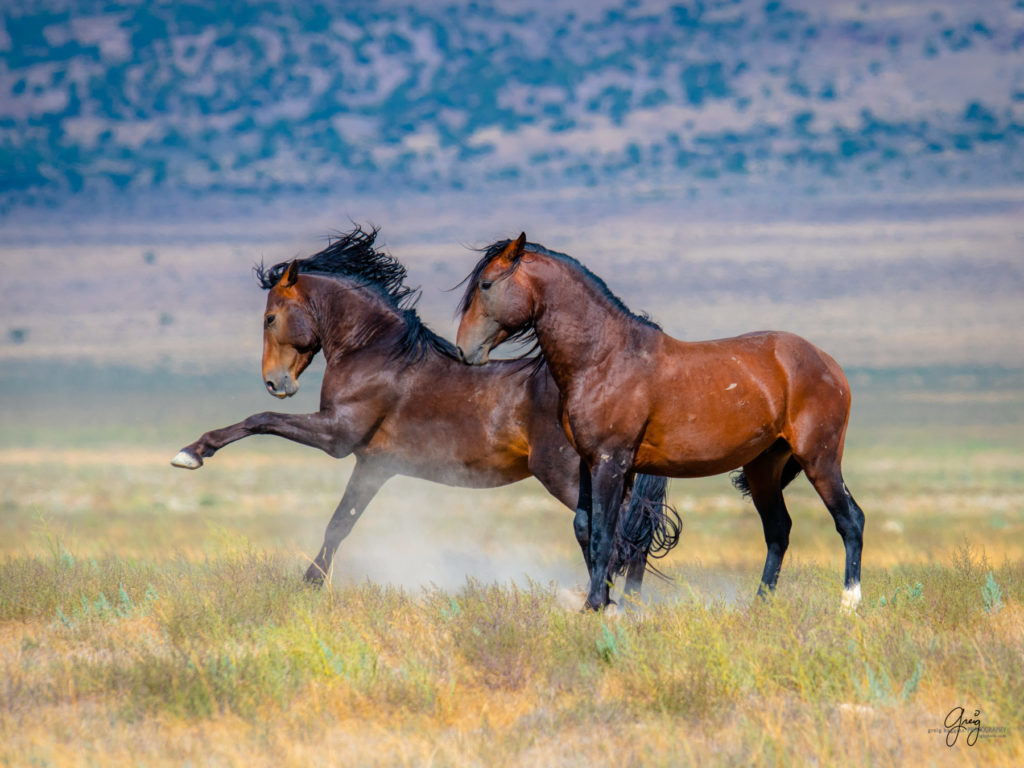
{"x":349,"y":255}
{"x":353,"y":256}
{"x":494,"y":250}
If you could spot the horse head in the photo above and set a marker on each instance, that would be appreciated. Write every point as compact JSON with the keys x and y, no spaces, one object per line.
{"x":497,"y":305}
{"x":290,"y":339}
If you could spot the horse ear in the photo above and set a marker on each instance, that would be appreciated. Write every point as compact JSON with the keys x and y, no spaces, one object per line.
{"x":290,"y":276}
{"x":519,"y":246}
{"x":514,"y":251}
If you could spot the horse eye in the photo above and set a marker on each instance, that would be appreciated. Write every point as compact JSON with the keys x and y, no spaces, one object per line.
{"x":270,"y":320}
{"x":485,"y":284}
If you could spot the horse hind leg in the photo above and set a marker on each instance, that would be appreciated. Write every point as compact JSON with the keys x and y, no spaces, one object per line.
{"x":765,"y":478}
{"x":582,"y":520}
{"x":826,"y":476}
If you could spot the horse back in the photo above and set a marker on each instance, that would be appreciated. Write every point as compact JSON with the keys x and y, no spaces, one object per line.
{"x":785,"y":367}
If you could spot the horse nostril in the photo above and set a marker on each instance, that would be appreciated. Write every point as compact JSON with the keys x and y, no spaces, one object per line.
{"x":270,"y":386}
{"x":462,"y":355}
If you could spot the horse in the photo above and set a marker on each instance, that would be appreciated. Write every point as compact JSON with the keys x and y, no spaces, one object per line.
{"x":633,"y":398}
{"x":396,"y":395}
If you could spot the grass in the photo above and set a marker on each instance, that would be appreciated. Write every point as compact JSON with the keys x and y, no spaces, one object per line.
{"x":109,"y":654}
{"x":155,"y":617}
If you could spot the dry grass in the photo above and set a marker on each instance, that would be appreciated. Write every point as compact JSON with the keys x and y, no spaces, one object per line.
{"x":230,"y":661}
{"x":154,"y":617}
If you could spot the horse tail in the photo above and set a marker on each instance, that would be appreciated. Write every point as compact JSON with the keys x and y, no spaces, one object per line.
{"x":649,"y":528}
{"x":789,"y":471}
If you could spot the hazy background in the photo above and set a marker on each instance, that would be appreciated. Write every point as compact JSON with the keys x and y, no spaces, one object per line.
{"x":851,"y":171}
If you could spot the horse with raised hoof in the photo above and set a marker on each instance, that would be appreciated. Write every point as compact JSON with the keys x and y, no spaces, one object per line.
{"x":397,"y":396}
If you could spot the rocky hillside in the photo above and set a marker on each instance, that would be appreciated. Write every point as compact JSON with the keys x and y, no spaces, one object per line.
{"x":265,"y":98}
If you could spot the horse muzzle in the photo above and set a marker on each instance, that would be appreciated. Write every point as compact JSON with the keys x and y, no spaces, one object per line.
{"x":477,"y":355}
{"x":284,"y":387}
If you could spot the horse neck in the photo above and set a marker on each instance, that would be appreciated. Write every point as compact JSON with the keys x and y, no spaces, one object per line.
{"x":577,"y":323}
{"x":351,"y":317}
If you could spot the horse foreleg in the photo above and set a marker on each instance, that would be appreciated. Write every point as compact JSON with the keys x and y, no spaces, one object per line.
{"x":764,"y":483}
{"x":362,"y":486}
{"x":317,"y":430}
{"x":584,"y":505}
{"x":607,"y":477}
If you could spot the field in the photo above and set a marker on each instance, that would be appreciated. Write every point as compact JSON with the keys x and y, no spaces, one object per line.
{"x":150,"y":616}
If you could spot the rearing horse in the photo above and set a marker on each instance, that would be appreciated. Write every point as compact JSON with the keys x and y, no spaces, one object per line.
{"x":634,"y":398}
{"x":397,"y":396}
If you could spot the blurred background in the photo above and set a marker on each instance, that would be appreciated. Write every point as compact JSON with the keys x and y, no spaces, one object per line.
{"x":850,"y":171}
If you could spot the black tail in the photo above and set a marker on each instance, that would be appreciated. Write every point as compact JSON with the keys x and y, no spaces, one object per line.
{"x":791,"y":470}
{"x":648,"y":528}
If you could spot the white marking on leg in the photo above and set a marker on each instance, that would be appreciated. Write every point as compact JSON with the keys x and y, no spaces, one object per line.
{"x":731,"y":386}
{"x":851,"y":598}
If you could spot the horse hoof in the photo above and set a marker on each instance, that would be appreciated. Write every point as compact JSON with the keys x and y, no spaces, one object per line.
{"x":851,"y":599}
{"x":315,"y":576}
{"x":610,"y":608}
{"x":186,"y":460}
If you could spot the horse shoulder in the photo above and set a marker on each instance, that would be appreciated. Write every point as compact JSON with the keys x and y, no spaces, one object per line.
{"x":608,"y":404}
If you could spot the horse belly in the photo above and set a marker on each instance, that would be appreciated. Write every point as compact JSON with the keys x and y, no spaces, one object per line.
{"x":698,"y":443}
{"x":476,"y":470}
{"x":453,"y":449}
{"x":696,"y":461}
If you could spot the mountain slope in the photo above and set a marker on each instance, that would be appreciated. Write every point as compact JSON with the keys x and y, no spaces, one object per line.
{"x":128,"y":99}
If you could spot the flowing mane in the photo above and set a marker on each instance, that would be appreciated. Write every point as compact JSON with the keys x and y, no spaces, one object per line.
{"x":352,"y":256}
{"x":528,"y":334}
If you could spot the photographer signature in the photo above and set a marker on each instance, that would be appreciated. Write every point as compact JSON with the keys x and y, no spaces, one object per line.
{"x":955,"y":723}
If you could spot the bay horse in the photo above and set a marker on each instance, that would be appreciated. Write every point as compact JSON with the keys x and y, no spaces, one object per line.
{"x":634,"y":398}
{"x":397,"y":396}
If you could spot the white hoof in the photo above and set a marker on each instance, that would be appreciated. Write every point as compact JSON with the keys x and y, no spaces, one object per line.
{"x":851,"y":599}
{"x":186,"y":460}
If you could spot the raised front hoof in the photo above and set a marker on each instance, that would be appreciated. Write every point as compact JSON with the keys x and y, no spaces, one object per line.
{"x":186,"y":460}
